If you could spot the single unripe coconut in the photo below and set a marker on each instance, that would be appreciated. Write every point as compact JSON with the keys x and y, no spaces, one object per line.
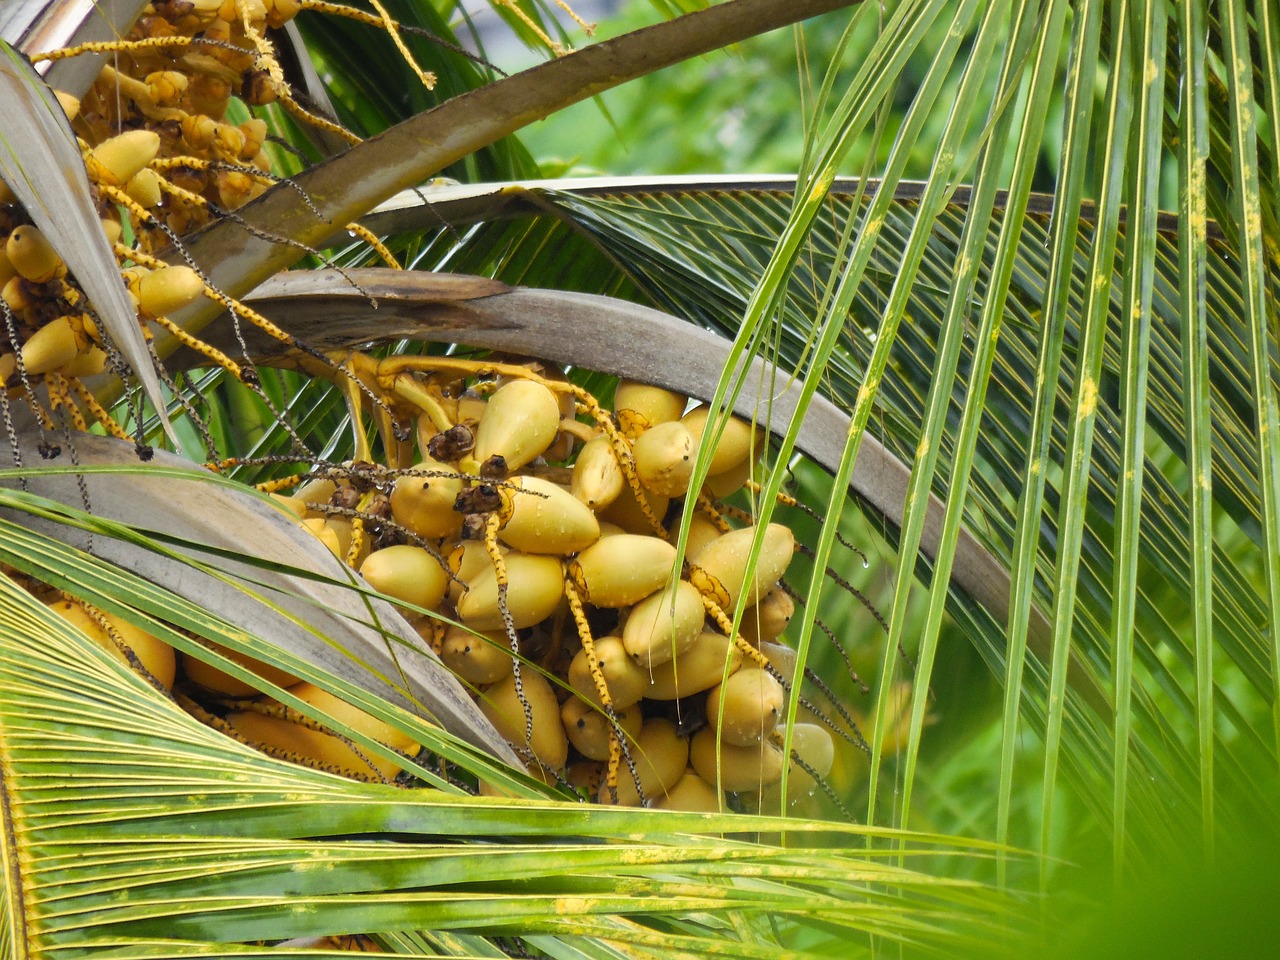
{"x":597,"y":477}
{"x":32,"y":255}
{"x":362,"y":722}
{"x":51,"y":347}
{"x":661,"y":757}
{"x":625,"y":681}
{"x":164,"y":291}
{"x":746,"y":707}
{"x":722,"y":571}
{"x":589,"y":729}
{"x":737,"y":443}
{"x":467,"y":561}
{"x":664,"y":625}
{"x":219,"y":681}
{"x":144,"y":188}
{"x":481,"y":659}
{"x":740,"y":768}
{"x":701,"y":532}
{"x":535,"y":585}
{"x":812,"y":743}
{"x":520,"y":422}
{"x":546,"y":518}
{"x":621,"y":570}
{"x":505,"y":710}
{"x":782,"y":658}
{"x":664,"y":458}
{"x":154,"y":654}
{"x":764,"y":622}
{"x":699,"y":668}
{"x":319,"y":528}
{"x":692,"y":794}
{"x":627,"y":513}
{"x":87,"y":363}
{"x":116,"y":161}
{"x":425,"y":504}
{"x":408,"y":573}
{"x":640,"y":406}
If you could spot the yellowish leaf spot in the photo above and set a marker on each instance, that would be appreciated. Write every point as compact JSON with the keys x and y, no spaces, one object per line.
{"x":1088,"y":398}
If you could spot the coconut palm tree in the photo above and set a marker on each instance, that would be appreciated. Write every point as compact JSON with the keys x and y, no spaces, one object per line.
{"x":1070,"y":441}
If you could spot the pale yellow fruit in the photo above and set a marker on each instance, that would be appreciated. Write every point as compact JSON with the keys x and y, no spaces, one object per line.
{"x":164,"y":291}
{"x":467,"y":561}
{"x":317,"y":490}
{"x":409,"y":574}
{"x":737,"y":443}
{"x":589,"y":729}
{"x":720,"y":486}
{"x":51,"y":347}
{"x":212,"y":678}
{"x":535,"y":585}
{"x":781,"y":657}
{"x":32,"y":255}
{"x":520,"y":422}
{"x":425,"y":504}
{"x":699,"y":668}
{"x":597,"y":477}
{"x":701,"y":532}
{"x":626,"y":512}
{"x":740,"y":768}
{"x":664,"y":625}
{"x":154,"y":654}
{"x":664,"y":458}
{"x":640,"y":406}
{"x":480,"y":659}
{"x":144,"y":188}
{"x":812,"y":743}
{"x":360,"y":721}
{"x":505,"y":710}
{"x":746,"y":707}
{"x":294,"y":506}
{"x":625,"y":681}
{"x":722,"y":567}
{"x":623,"y":569}
{"x":546,"y":518}
{"x":320,"y":529}
{"x":87,"y":363}
{"x":116,"y":161}
{"x":660,"y":756}
{"x":692,"y":794}
{"x":764,"y":621}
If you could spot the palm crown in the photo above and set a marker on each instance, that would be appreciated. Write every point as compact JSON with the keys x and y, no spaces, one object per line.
{"x":1046,"y":366}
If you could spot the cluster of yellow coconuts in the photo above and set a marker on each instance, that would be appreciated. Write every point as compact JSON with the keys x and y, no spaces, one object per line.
{"x":554,"y":591}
